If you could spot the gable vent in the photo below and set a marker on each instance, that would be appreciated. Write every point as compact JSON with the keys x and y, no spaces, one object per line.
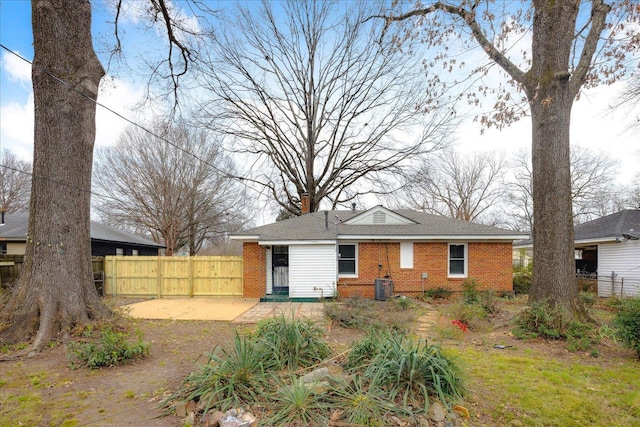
{"x":379,"y":218}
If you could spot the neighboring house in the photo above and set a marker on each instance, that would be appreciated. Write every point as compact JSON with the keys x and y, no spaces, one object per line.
{"x":104,"y":239}
{"x":608,"y":249}
{"x":320,"y":254}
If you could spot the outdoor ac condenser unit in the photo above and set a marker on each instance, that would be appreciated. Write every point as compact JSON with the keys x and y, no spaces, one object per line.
{"x":383,"y":289}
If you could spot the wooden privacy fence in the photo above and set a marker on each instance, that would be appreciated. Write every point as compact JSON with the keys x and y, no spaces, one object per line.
{"x":152,"y":276}
{"x":11,"y":267}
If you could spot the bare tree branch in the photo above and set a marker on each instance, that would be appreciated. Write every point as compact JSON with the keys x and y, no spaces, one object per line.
{"x":306,"y":90}
{"x":165,"y":192}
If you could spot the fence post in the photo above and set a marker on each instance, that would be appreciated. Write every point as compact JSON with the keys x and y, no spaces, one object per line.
{"x":159,"y":282}
{"x":114,"y":277}
{"x":190,"y":267}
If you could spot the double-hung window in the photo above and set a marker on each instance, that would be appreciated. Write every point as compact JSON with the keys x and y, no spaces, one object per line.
{"x":347,"y":260}
{"x":458,"y":260}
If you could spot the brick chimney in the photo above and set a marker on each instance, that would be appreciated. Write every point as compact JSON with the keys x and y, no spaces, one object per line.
{"x":305,"y":203}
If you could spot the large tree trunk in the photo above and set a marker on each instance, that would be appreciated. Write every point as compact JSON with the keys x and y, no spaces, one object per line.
{"x":55,"y":291}
{"x":551,"y":98}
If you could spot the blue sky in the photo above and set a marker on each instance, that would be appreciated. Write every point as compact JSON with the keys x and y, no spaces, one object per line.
{"x":592,"y":125}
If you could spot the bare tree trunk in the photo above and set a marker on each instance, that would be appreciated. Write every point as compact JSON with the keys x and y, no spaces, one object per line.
{"x":551,"y":97}
{"x":55,"y":291}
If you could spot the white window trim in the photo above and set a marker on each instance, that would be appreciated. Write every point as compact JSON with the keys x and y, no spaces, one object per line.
{"x":466,"y":261}
{"x":406,"y":255}
{"x":338,"y":260}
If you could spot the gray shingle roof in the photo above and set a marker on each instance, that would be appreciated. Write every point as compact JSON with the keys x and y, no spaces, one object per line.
{"x":312,"y":227}
{"x":611,"y":226}
{"x":16,"y":225}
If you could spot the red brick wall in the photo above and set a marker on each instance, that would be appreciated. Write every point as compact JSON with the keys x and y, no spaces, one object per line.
{"x":489,"y":264}
{"x":254,"y":270}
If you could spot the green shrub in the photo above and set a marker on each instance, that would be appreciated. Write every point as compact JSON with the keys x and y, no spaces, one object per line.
{"x":293,"y":343}
{"x":627,"y":322}
{"x":521,"y":283}
{"x":109,"y":348}
{"x":470,"y":293}
{"x":539,"y":320}
{"x":581,"y":336}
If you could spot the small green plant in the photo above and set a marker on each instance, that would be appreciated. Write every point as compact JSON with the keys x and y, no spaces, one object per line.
{"x":109,"y":348}
{"x":581,"y":336}
{"x":401,"y":303}
{"x":588,"y":299}
{"x":627,"y":322}
{"x":438,"y":293}
{"x":613,"y":303}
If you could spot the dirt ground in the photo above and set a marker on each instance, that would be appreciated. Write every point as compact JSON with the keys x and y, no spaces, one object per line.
{"x":122,"y":396}
{"x":57,"y":395}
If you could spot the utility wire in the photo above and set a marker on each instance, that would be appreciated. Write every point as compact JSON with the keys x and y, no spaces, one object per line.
{"x":126,"y":119}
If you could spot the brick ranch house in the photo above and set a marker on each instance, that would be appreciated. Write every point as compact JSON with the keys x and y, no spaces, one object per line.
{"x":329,"y":253}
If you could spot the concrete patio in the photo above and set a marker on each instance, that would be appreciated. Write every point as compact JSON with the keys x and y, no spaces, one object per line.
{"x":235,"y":310}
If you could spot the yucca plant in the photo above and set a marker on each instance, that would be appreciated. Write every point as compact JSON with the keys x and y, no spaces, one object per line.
{"x":411,"y":371}
{"x":293,"y":343}
{"x":362,"y":405}
{"x":230,"y":378}
{"x":296,"y":404}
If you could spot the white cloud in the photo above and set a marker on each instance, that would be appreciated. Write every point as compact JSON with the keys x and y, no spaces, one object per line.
{"x":16,"y":128}
{"x":121,"y":97}
{"x":17,"y":69}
